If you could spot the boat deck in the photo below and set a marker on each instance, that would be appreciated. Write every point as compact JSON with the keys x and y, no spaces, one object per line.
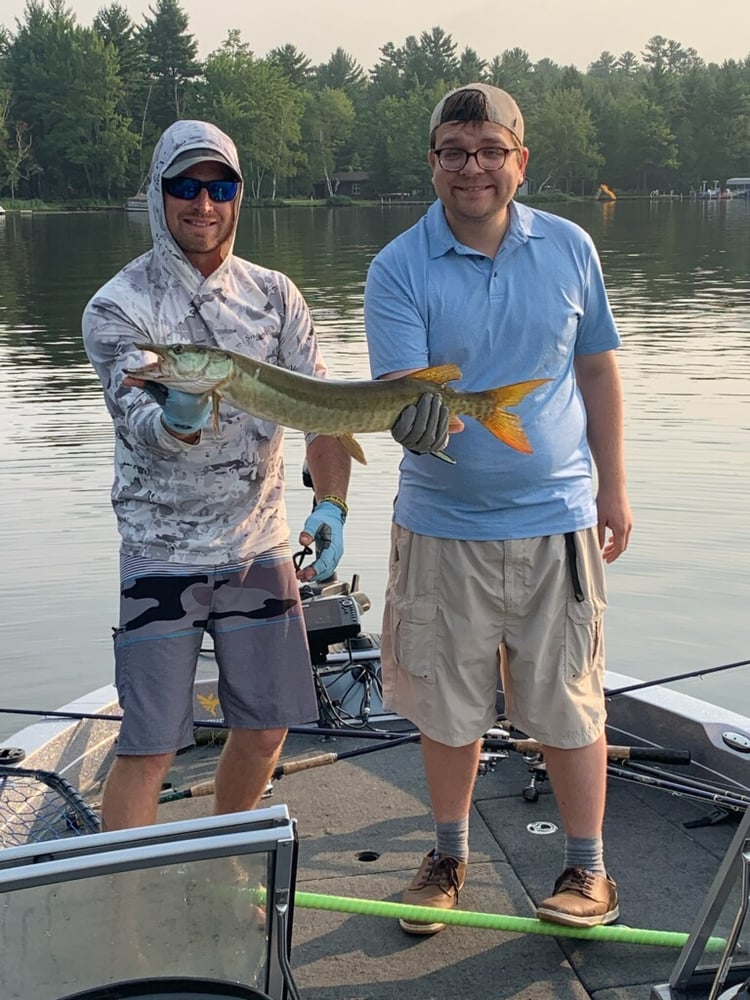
{"x":364,"y":825}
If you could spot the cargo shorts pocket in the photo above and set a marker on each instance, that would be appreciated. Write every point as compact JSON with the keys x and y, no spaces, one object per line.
{"x":584,"y":638}
{"x":414,"y":636}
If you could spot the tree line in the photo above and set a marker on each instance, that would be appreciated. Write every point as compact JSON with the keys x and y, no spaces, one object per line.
{"x":83,"y":106}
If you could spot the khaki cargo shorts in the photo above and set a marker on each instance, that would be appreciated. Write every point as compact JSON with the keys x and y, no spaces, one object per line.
{"x":464,"y":617}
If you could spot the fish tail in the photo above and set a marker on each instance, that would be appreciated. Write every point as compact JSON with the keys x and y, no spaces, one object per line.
{"x":507,"y":426}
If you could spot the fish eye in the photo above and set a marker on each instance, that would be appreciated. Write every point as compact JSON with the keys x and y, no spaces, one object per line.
{"x":178,"y":348}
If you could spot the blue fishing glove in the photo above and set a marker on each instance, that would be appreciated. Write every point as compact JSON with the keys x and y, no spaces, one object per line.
{"x":423,"y":427}
{"x":326,"y":525}
{"x":182,"y":412}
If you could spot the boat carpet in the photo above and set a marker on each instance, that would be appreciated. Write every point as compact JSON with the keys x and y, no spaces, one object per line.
{"x":364,"y":825}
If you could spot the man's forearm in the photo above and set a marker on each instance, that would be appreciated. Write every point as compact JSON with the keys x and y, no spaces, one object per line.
{"x":330,"y":467}
{"x":602,"y":396}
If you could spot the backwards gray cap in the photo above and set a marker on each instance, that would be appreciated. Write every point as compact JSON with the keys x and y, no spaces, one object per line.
{"x":500,"y":107}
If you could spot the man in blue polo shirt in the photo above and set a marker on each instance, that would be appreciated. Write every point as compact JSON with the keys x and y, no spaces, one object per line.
{"x":497,"y":561}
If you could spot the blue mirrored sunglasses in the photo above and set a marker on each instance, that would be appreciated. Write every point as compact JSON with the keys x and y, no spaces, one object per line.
{"x":188,"y":188}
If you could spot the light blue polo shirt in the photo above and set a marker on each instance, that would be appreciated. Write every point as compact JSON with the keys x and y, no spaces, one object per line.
{"x":430,"y":300}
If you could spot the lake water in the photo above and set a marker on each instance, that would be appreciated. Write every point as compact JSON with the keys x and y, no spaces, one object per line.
{"x":679,"y":280}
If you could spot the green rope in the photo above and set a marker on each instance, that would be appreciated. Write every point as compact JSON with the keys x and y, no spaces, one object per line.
{"x":492,"y":921}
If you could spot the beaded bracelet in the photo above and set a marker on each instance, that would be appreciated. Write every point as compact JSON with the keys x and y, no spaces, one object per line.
{"x":337,"y":502}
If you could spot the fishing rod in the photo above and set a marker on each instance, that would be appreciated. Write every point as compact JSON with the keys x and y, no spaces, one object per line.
{"x":309,"y":730}
{"x":624,"y":763}
{"x":495,"y":744}
{"x":58,"y":714}
{"x":288,"y":767}
{"x":739,"y":791}
{"x":661,"y":755}
{"x":675,"y":677}
{"x":614,"y":693}
{"x":618,"y":753}
{"x":726,"y":798}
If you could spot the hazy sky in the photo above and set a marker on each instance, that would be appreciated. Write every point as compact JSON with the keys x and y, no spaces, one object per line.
{"x":545,"y":29}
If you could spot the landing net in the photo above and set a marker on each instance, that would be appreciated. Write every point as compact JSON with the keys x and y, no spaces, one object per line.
{"x":40,"y":805}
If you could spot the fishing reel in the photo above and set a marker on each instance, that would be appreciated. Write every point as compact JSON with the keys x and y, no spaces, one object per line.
{"x":497,"y":744}
{"x":492,"y":750}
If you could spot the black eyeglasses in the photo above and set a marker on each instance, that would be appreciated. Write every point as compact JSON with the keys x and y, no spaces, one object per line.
{"x":188,"y":188}
{"x":488,"y":158}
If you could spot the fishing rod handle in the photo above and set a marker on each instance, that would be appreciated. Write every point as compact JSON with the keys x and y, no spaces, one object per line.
{"x":194,"y":792}
{"x":657,"y":755}
{"x":293,"y":766}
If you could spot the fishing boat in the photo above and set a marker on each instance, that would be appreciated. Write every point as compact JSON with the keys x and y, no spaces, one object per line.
{"x":137,"y":203}
{"x":300,"y":898}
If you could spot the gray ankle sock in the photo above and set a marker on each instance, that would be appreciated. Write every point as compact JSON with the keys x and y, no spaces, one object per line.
{"x":453,"y":838}
{"x":585,"y":852}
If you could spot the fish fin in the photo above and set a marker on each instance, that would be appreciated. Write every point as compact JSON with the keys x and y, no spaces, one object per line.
{"x":439,"y":374}
{"x":507,"y":426}
{"x":215,"y":400}
{"x":350,"y":445}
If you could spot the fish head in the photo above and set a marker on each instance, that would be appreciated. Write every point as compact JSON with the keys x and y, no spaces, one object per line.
{"x":187,"y":367}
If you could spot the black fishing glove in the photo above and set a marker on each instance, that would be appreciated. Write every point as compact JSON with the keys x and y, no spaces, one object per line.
{"x":423,"y":427}
{"x":183,"y":412}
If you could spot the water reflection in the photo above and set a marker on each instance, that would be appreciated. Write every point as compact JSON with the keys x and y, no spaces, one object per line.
{"x":679,"y":278}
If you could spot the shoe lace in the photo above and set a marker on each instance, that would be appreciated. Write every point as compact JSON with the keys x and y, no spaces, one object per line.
{"x":577,"y":879}
{"x":442,"y":872}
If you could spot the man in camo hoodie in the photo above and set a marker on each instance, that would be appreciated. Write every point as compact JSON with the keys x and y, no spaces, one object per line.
{"x":201,"y":515}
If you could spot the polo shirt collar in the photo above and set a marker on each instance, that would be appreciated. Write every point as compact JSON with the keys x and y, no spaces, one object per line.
{"x":523,"y":227}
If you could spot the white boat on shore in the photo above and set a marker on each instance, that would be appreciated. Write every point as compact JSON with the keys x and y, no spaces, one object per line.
{"x":224,"y":904}
{"x":137,"y":203}
{"x":739,"y":187}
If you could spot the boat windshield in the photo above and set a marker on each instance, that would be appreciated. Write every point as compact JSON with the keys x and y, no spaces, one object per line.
{"x":159,"y":908}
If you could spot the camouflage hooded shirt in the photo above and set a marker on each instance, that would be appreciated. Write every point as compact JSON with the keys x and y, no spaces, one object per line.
{"x":220,"y":500}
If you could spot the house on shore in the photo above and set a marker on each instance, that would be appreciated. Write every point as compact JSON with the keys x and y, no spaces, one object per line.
{"x":353,"y":184}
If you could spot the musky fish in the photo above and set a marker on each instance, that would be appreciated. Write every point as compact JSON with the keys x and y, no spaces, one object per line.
{"x":326,"y":406}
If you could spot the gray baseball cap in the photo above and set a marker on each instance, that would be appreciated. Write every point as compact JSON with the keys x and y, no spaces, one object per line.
{"x":499,"y":107}
{"x":189,"y":158}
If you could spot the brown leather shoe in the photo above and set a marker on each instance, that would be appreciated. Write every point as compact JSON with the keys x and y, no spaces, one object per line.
{"x":437,"y":883}
{"x":581,"y":899}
